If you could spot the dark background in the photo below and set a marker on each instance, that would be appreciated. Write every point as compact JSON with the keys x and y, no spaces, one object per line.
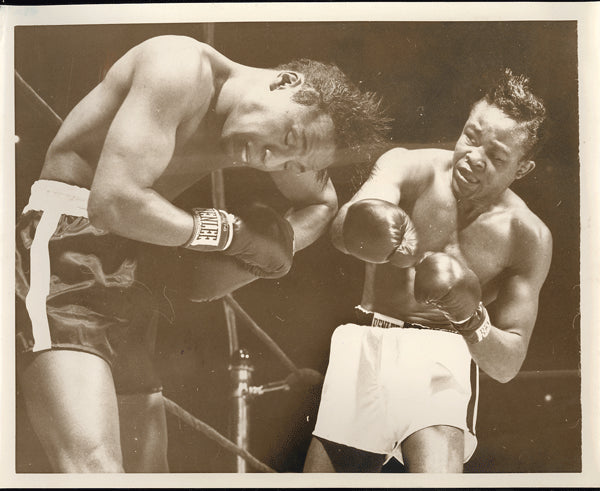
{"x":429,"y":73}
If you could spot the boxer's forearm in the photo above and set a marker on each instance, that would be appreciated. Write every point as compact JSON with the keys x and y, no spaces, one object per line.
{"x":142,"y":215}
{"x":500,"y":354}
{"x":310,"y":222}
{"x":337,"y":229}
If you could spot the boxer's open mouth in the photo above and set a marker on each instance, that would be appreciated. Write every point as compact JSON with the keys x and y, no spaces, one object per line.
{"x":466,"y":175}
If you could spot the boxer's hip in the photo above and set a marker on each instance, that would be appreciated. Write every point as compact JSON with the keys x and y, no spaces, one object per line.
{"x":81,"y":287}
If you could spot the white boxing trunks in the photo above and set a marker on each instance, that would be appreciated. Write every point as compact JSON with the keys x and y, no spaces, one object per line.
{"x":383,"y":384}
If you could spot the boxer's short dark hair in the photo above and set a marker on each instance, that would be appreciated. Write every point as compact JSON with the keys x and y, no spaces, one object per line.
{"x":512,"y":94}
{"x":360,"y":123}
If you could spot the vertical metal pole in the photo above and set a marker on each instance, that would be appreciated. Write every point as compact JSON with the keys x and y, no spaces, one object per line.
{"x":218,"y":200}
{"x":240,"y":368}
{"x":241,"y":374}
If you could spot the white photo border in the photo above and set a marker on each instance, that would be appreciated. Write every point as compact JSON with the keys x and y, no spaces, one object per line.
{"x":586,"y":14}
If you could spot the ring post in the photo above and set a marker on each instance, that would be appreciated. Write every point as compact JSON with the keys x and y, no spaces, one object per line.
{"x":240,"y":370}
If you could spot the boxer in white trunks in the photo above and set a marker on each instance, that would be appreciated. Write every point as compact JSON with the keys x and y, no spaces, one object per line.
{"x":455,"y":263}
{"x":168,"y":113}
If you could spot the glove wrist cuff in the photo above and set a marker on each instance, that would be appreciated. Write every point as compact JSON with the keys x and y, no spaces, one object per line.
{"x":213,"y":230}
{"x":477,"y":327}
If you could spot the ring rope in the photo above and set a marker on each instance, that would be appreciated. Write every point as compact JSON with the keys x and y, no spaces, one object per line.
{"x":38,"y":99}
{"x":214,"y":435}
{"x":261,"y":334}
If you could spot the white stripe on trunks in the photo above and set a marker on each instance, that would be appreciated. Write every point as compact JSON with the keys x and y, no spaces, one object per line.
{"x":476,"y":404}
{"x":39,"y":281}
{"x":54,"y":199}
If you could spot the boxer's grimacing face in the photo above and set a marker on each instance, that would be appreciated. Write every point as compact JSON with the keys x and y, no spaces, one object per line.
{"x":489,"y":154}
{"x":269,"y":131}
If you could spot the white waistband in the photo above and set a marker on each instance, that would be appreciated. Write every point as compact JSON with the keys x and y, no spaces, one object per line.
{"x":58,"y":197}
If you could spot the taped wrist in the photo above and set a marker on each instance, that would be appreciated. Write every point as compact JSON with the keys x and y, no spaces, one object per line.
{"x":477,"y":327}
{"x":213,"y":230}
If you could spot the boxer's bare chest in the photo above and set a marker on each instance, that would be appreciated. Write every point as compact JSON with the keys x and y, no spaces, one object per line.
{"x":483,"y":240}
{"x":484,"y":244}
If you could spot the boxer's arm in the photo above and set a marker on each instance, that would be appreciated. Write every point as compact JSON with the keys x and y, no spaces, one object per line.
{"x":514,"y":312}
{"x":394,"y":170}
{"x":314,"y":204}
{"x":138,"y":148}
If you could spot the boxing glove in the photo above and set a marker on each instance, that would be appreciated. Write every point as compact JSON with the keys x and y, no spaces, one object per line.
{"x":445,"y":283}
{"x":378,"y":231}
{"x":209,"y":276}
{"x":259,"y":238}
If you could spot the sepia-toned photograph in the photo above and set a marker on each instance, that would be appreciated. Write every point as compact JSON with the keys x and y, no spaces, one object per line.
{"x":332,"y":246}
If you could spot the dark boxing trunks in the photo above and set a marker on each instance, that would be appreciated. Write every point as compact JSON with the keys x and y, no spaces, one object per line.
{"x":84,"y":289}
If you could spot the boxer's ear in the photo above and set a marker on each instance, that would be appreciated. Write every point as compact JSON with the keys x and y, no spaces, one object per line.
{"x":286,"y":80}
{"x":525,"y":167}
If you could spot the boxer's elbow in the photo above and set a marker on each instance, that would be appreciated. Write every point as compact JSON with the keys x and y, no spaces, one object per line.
{"x":325,"y":212}
{"x":107,"y":210}
{"x":331,"y":207}
{"x":503,"y":376}
{"x":506,"y":369}
{"x":328,"y":207}
{"x":513,"y":368}
{"x":336,"y":232}
{"x":99,"y":210}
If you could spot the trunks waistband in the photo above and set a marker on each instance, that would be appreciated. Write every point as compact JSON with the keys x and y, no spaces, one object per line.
{"x":375,"y":319}
{"x":58,"y":197}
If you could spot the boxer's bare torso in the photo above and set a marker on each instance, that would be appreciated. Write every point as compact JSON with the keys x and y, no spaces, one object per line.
{"x":171,"y":111}
{"x":493,"y":243}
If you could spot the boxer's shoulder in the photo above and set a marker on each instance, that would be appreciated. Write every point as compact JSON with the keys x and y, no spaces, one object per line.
{"x":529,"y":235}
{"x":174,"y":72}
{"x":170,"y":44}
{"x":413,"y":166}
{"x":422,"y":156}
{"x":164,"y":52}
{"x":522,"y":215}
{"x":512,"y":215}
{"x":172,"y":62}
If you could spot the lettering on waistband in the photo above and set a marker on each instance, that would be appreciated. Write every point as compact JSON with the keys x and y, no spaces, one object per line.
{"x":380,"y":320}
{"x":384,"y":324}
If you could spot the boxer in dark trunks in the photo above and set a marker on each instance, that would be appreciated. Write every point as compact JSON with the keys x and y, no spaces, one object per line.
{"x":167,"y":114}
